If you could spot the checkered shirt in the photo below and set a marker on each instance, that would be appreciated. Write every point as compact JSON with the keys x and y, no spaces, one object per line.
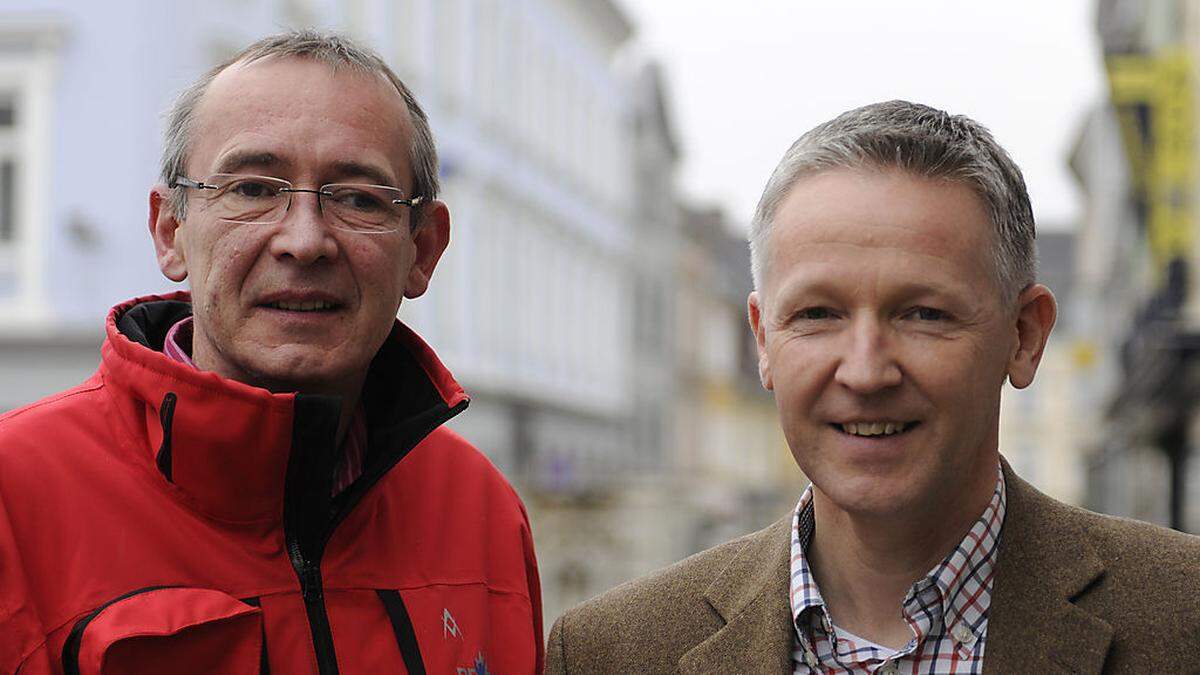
{"x":946,"y":610}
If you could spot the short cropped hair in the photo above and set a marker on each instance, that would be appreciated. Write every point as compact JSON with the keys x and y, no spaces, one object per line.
{"x":926,"y":142}
{"x":334,"y":50}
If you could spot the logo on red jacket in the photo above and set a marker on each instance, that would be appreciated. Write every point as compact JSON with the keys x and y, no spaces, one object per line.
{"x":479,"y":667}
{"x":449,"y":625}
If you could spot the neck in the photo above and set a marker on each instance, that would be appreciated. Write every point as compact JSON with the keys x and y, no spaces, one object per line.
{"x":865,"y":564}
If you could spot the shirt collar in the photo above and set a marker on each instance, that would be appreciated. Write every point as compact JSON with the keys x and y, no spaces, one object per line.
{"x":958,"y":588}
{"x":178,"y":343}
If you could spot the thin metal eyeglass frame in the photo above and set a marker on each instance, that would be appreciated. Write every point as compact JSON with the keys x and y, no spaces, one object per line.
{"x":412,"y":202}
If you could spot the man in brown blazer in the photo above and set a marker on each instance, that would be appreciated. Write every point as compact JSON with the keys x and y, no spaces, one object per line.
{"x":895,"y":293}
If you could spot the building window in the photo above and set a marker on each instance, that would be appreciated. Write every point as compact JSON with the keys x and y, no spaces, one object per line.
{"x":29,"y":53}
{"x":8,"y":168}
{"x":7,"y":197}
{"x":8,"y":111}
{"x":10,"y":227}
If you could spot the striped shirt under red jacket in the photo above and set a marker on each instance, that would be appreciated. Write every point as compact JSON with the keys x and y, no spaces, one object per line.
{"x":178,"y":346}
{"x":946,"y":610}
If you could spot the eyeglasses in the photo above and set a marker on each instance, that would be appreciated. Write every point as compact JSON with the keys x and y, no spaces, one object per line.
{"x":261,"y":200}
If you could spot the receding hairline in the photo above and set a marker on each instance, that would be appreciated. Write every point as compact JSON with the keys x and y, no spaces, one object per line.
{"x":406,"y":126}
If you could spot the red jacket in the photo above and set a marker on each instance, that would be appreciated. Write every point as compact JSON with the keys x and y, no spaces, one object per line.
{"x":160,"y":519}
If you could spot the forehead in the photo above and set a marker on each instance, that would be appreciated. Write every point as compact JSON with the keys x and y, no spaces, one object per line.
{"x":844,"y":223}
{"x":304,"y":112}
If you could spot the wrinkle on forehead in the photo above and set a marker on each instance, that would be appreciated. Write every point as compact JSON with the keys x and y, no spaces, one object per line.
{"x":881,"y":228}
{"x":253,"y":102}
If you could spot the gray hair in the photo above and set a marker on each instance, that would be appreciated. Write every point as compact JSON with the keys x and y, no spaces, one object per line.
{"x":333,"y":50}
{"x":926,"y":142}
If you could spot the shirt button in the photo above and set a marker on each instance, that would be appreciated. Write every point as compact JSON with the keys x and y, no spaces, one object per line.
{"x":963,"y":634}
{"x":888,"y":668}
{"x":810,"y":659}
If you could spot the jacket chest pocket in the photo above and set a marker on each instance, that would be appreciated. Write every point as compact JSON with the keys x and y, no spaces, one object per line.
{"x":177,"y":630}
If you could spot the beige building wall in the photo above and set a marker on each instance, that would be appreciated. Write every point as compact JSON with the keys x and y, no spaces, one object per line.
{"x":1041,"y":426}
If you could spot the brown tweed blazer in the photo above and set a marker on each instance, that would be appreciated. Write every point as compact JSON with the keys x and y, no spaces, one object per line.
{"x":1075,"y":592}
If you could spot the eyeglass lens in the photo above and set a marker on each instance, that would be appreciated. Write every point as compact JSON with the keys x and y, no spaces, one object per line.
{"x":258,"y":199}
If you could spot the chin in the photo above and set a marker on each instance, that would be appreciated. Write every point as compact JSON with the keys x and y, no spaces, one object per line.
{"x":864,"y":503}
{"x":312,"y":371}
{"x":868,"y":495}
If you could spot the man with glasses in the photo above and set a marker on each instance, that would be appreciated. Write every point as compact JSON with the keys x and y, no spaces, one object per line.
{"x":257,"y":477}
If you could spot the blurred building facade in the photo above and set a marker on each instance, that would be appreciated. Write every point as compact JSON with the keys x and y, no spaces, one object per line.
{"x":1040,"y":426}
{"x":1136,"y":160}
{"x":729,"y":442}
{"x":597,"y":321}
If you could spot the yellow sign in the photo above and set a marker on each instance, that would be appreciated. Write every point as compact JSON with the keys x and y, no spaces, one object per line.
{"x":1153,"y":95}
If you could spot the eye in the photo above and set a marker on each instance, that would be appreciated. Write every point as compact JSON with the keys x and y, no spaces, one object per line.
{"x":358,"y":200}
{"x":814,"y":314}
{"x":252,"y":189}
{"x":928,"y":314}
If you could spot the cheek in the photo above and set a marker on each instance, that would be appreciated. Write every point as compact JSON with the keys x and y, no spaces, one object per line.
{"x":381,"y":272}
{"x":219,"y":267}
{"x":955,"y":375}
{"x":797,"y":370}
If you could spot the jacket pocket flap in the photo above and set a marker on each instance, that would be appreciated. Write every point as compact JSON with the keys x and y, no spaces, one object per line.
{"x":167,"y":630}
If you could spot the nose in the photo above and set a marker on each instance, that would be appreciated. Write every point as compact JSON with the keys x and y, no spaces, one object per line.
{"x":303,"y":234}
{"x":868,"y":364}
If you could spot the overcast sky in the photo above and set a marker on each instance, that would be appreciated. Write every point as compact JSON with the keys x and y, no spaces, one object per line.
{"x":746,"y":78}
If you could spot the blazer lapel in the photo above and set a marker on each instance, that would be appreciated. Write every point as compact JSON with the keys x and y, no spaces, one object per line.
{"x":1044,"y":565}
{"x":751,"y":595}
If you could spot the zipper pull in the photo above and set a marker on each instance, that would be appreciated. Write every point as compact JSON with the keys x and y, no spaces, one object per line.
{"x":310,"y":582}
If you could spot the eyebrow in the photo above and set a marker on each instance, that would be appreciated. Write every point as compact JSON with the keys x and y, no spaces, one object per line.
{"x":241,"y":159}
{"x":377,"y":176}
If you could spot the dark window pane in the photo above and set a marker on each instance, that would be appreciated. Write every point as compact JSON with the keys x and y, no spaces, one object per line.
{"x":8,"y":111}
{"x":8,"y":172}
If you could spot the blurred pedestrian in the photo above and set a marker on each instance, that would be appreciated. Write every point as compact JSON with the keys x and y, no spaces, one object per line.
{"x":257,"y":478}
{"x":894,"y":267}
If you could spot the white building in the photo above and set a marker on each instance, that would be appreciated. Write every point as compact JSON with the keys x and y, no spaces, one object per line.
{"x":532,"y":305}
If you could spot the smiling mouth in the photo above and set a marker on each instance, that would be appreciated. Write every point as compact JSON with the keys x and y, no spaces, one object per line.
{"x":309,"y":306}
{"x":874,"y":429}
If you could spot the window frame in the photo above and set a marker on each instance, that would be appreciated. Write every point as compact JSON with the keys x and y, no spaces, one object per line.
{"x":29,"y":61}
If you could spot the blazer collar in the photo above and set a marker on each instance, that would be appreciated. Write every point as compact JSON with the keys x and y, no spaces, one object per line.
{"x":1045,"y":563}
{"x":751,"y":596}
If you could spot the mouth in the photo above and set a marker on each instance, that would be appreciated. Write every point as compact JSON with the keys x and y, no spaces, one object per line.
{"x":874,"y":429}
{"x":303,"y":305}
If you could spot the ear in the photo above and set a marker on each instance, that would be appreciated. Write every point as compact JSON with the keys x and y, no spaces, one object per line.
{"x":431,"y":236}
{"x":754,"y":309}
{"x":1036,"y":312}
{"x":164,"y":229}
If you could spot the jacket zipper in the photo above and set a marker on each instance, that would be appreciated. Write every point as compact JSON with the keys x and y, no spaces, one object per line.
{"x":306,"y":518}
{"x":308,"y":568}
{"x":313,"y":592}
